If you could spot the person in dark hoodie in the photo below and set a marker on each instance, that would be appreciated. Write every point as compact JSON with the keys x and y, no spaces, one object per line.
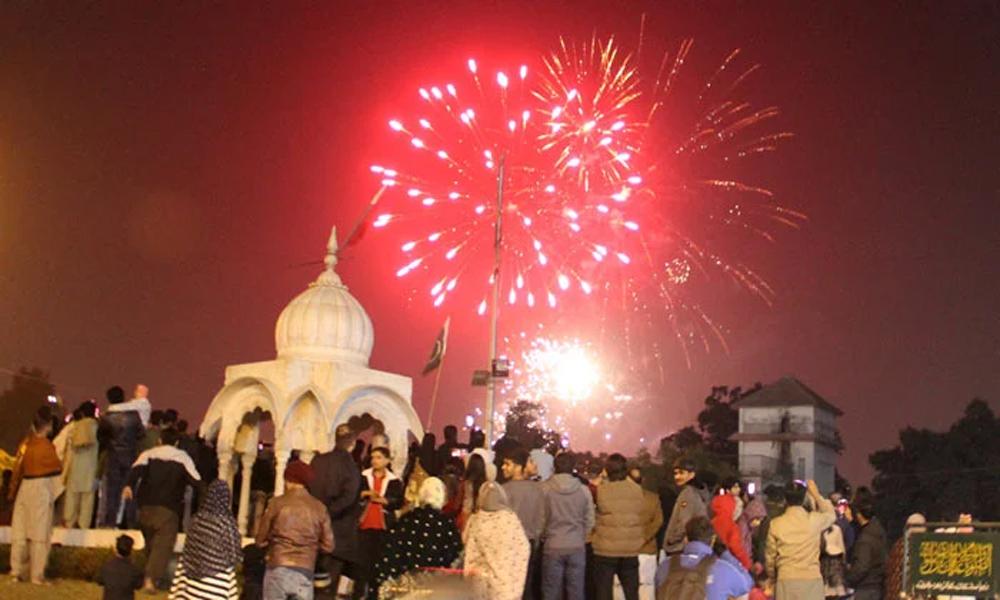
{"x":569,"y":518}
{"x":119,"y":577}
{"x":866,"y":572}
{"x":119,"y":434}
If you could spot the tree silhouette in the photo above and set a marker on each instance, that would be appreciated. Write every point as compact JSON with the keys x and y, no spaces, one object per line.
{"x":717,"y":422}
{"x":29,"y":389}
{"x":525,"y":424}
{"x":941,"y":473}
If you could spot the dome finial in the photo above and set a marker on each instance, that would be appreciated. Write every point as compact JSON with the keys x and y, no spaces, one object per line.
{"x":329,"y":275}
{"x":331,"y":250}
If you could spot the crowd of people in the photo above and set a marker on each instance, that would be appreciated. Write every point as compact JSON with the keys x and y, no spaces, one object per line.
{"x":502,"y":524}
{"x":130,"y":467}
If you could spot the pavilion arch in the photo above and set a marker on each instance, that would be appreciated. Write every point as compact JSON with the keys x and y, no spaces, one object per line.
{"x":302,"y":427}
{"x":388,"y":407}
{"x":232,"y":403}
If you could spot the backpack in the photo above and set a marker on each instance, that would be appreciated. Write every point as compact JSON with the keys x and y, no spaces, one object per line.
{"x":686,"y":584}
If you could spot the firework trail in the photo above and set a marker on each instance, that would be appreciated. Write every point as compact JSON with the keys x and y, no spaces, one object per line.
{"x":626,"y":185}
{"x":562,"y":206}
{"x":688,"y":136}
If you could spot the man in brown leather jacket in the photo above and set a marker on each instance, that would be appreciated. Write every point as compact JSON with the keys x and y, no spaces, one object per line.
{"x":294,"y":528}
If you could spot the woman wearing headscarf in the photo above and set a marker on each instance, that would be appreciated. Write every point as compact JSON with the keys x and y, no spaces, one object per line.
{"x":750,"y":519}
{"x":496,"y":549}
{"x":207,"y":567}
{"x":475,"y":477}
{"x":422,"y":538}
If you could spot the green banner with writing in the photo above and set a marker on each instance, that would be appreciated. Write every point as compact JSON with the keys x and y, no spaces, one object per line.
{"x":965,"y":564}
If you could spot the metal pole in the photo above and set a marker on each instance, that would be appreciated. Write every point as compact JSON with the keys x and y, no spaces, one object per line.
{"x":495,"y":305}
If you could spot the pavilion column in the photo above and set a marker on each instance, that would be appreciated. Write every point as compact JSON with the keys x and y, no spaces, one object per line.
{"x":226,"y":467}
{"x":246,"y":462}
{"x":280,"y":462}
{"x":400,"y":454}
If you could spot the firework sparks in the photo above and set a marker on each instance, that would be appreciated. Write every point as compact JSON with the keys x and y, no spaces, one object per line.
{"x":565,"y":377}
{"x":589,"y":91}
{"x":687,"y":135}
{"x":609,"y":159}
{"x":558,"y":189}
{"x":563,"y":370}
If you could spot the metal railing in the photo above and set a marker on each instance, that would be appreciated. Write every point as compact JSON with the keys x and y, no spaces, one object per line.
{"x":822,"y":431}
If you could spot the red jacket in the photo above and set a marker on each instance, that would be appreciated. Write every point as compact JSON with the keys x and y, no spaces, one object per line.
{"x":726,"y":528}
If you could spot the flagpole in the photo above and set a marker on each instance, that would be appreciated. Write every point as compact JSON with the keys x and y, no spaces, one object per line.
{"x":495,"y":305}
{"x":440,"y":366}
{"x":434,"y":394}
{"x":363,"y":217}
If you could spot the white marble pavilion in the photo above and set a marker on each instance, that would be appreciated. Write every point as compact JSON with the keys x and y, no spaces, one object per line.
{"x":319,"y":380}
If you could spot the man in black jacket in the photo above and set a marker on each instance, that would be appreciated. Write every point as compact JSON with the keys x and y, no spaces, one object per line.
{"x":119,"y":433}
{"x":337,"y":484}
{"x":161,"y":474}
{"x":866,"y":573}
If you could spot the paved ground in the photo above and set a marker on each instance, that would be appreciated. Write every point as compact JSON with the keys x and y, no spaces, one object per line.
{"x":61,"y":589}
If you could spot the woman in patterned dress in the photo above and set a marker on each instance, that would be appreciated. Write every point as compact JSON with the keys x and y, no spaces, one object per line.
{"x":212,"y":549}
{"x":422,"y":538}
{"x":496,"y":548}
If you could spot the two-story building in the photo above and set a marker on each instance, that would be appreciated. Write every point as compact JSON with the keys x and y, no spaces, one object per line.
{"x":787,"y":431}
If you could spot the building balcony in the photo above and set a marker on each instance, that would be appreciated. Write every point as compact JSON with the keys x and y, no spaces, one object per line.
{"x":767,"y":468}
{"x":771,"y":431}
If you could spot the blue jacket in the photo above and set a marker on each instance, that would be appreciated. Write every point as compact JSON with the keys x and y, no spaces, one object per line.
{"x":727,"y":578}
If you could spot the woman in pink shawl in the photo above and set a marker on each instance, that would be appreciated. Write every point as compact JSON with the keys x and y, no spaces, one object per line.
{"x":750,"y":519}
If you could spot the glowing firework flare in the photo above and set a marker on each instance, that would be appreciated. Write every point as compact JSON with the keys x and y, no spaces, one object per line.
{"x":688,"y":136}
{"x":563,"y":370}
{"x":603,"y":141}
{"x":558,"y":196}
{"x":565,"y":377}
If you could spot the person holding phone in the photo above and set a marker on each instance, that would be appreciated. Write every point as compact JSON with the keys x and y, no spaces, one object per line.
{"x":793,"y":541}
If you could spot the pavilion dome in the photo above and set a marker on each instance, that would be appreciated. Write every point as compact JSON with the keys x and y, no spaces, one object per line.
{"x":325,"y":323}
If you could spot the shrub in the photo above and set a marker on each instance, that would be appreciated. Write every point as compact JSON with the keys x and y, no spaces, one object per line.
{"x":74,"y":563}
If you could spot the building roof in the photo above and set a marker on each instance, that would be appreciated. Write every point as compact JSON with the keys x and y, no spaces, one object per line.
{"x":325,"y":323}
{"x":787,"y":391}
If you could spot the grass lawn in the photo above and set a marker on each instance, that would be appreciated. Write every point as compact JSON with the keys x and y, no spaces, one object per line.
{"x":61,"y":589}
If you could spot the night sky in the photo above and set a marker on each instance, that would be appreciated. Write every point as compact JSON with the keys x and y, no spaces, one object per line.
{"x":166,"y":169}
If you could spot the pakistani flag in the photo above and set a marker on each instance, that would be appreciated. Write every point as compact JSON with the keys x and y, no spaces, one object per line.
{"x":440,"y":345}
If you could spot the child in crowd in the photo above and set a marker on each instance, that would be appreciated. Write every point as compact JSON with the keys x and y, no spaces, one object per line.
{"x":119,"y":577}
{"x":254,"y":568}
